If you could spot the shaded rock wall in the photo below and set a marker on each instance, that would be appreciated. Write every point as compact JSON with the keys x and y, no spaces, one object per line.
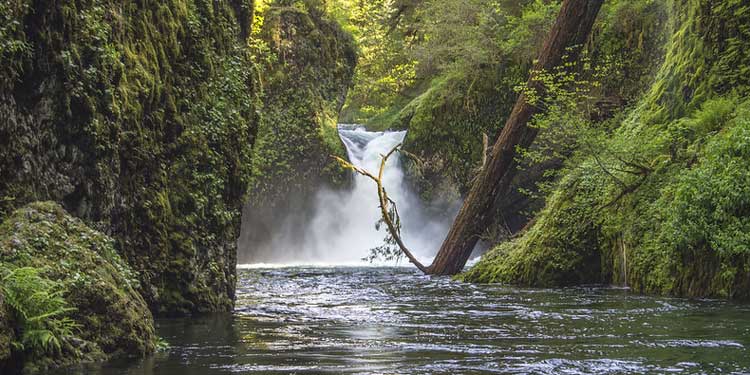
{"x":138,"y":117}
{"x":305,"y":88}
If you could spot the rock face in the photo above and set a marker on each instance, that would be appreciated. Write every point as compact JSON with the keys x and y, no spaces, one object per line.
{"x":305,"y":88}
{"x":112,"y":316}
{"x":675,"y":219}
{"x":139,"y":118}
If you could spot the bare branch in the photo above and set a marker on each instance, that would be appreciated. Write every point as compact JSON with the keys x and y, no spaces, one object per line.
{"x":385,"y":200}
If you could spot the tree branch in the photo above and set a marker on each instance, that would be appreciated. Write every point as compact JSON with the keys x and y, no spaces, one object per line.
{"x":384,"y":201}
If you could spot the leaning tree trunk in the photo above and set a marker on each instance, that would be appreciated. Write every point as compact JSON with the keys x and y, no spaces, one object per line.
{"x":569,"y":33}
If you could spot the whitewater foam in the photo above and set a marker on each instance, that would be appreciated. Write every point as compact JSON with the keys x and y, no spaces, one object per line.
{"x":342,"y":229}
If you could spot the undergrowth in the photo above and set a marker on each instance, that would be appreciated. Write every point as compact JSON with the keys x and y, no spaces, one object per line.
{"x":39,"y":309}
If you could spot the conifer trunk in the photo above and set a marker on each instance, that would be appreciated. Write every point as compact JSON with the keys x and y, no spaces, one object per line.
{"x":567,"y":37}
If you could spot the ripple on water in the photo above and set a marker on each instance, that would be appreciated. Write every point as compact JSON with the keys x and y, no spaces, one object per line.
{"x":396,"y":321}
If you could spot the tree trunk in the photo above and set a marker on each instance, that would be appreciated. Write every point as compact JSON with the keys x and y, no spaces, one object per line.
{"x":569,"y":33}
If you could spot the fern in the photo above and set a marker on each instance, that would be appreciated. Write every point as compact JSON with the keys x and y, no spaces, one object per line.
{"x":40,"y":309}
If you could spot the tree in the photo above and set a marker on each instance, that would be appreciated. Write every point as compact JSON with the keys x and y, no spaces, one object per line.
{"x":565,"y":41}
{"x":387,"y":206}
{"x":567,"y":37}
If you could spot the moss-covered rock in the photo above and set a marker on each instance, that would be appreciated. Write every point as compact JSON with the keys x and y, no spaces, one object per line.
{"x":559,"y":250}
{"x":446,"y":124}
{"x":305,"y":88}
{"x":112,"y":317}
{"x":138,"y":117}
{"x":668,"y":212}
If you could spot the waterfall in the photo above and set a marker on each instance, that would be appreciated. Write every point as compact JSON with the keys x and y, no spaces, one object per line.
{"x":342,"y":229}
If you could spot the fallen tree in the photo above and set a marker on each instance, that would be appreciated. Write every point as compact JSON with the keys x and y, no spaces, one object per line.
{"x":565,"y":41}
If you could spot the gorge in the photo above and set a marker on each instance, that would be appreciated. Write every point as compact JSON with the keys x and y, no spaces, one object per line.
{"x":175,"y":196}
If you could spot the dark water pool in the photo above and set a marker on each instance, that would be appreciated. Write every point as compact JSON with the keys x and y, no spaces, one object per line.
{"x":395,"y":321}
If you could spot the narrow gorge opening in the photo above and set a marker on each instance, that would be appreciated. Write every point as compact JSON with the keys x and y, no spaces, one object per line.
{"x":205,"y":187}
{"x":338,"y":226}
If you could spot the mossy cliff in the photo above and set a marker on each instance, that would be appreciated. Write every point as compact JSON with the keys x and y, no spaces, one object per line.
{"x":138,"y":117}
{"x":306,"y":84}
{"x":153,"y":122}
{"x":669,"y":212}
{"x":111,"y":317}
{"x":447,"y":120}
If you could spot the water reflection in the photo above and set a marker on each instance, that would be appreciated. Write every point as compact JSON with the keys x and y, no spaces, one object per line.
{"x":395,"y":321}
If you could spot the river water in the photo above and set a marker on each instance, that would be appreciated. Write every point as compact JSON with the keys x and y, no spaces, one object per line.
{"x":393,"y":320}
{"x":367,"y":320}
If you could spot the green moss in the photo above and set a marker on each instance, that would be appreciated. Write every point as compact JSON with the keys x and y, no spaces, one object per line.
{"x":112,"y":316}
{"x":7,"y":334}
{"x":446,"y":124}
{"x":670,"y":207}
{"x":305,"y":90}
{"x":139,"y":117}
{"x":559,"y":249}
{"x":706,"y":55}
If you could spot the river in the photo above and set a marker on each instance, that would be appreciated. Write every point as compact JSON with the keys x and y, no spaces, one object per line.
{"x":392,"y":320}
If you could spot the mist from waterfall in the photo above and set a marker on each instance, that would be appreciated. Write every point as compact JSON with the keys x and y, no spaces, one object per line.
{"x":342,"y":229}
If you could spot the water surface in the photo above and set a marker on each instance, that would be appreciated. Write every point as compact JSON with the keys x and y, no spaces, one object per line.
{"x":395,"y":321}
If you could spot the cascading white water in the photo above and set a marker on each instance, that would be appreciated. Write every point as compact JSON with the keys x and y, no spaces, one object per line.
{"x":342,"y":230}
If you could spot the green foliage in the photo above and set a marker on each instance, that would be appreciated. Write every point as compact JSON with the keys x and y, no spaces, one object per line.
{"x":39,"y":307}
{"x":139,"y":117}
{"x":62,"y":275}
{"x":471,"y":55}
{"x":298,"y":132}
{"x":389,"y":250}
{"x":668,"y":210}
{"x":404,"y":45}
{"x":161,"y":344}
{"x":710,"y":203}
{"x":568,"y":120}
{"x":384,"y":67}
{"x":14,"y":49}
{"x":693,"y":237}
{"x":464,"y":36}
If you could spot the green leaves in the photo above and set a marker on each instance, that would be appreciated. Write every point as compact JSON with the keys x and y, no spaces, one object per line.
{"x":40,"y":308}
{"x":710,"y":204}
{"x":384,"y":66}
